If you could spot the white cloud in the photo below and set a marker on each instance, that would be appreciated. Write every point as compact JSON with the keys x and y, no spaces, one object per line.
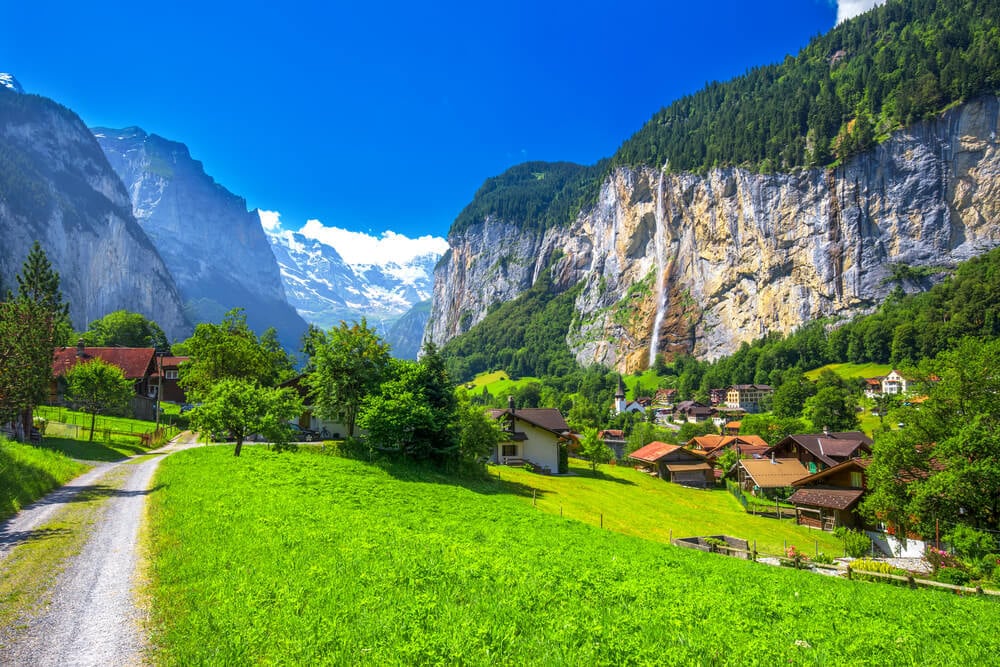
{"x":270,"y":220}
{"x":848,"y":9}
{"x":358,"y":248}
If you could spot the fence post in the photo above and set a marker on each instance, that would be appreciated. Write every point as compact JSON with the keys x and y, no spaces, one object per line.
{"x":602,"y":520}
{"x":848,"y":570}
{"x":534,"y":502}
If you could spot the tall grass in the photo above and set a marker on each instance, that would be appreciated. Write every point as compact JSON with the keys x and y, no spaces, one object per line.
{"x":27,"y":473}
{"x":308,"y":559}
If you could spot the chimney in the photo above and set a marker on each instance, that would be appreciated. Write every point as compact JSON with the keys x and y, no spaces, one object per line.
{"x":79,"y":348}
{"x":510,"y":404}
{"x":772,"y":458}
{"x":826,"y":430}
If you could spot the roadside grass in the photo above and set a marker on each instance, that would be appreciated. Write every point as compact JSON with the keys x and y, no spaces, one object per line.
{"x":122,"y":425}
{"x":27,"y":473}
{"x":309,"y":559}
{"x":75,"y":445}
{"x":848,"y":371}
{"x":634,"y":503}
{"x":31,"y":567}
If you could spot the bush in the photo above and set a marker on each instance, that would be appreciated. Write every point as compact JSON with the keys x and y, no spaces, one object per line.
{"x":856,"y":544}
{"x":870,"y":565}
{"x":953,"y":576}
{"x":822,"y":558}
{"x":970,"y":543}
{"x":938,"y":558}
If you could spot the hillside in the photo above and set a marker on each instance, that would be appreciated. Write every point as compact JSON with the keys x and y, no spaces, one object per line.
{"x":698,"y":257}
{"x":312,"y":559}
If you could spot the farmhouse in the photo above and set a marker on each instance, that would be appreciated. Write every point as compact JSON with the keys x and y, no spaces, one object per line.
{"x":534,"y":435}
{"x":138,"y":364}
{"x":614,"y":438}
{"x":164,"y":380}
{"x":829,"y":498}
{"x":692,"y":411}
{"x":818,"y":451}
{"x":675,"y":464}
{"x":757,"y":475}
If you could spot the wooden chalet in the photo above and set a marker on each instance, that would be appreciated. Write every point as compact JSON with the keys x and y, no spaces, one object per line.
{"x":759,"y":476}
{"x":830,"y":498}
{"x":676,"y":464}
{"x":818,"y":451}
{"x":533,"y":435}
{"x":138,"y":364}
{"x":614,"y":438}
{"x":164,"y":380}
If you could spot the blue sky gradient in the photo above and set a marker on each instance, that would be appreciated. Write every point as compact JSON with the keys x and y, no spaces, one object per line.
{"x":388,"y":116}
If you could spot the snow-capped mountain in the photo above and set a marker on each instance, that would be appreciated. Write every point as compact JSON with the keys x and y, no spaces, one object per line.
{"x":8,"y":81}
{"x":325,"y":289}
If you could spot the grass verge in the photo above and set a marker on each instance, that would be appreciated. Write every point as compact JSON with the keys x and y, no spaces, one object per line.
{"x":308,"y":559}
{"x":27,"y":473}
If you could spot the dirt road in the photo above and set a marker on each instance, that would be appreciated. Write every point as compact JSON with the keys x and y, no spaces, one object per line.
{"x":93,"y":617}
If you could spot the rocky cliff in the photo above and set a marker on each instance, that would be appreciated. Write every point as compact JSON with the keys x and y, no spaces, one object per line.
{"x":215,"y":248}
{"x":675,"y":262}
{"x":57,"y":187}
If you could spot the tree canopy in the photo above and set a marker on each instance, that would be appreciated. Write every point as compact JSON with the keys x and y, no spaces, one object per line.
{"x":97,"y":387}
{"x":122,"y":328}
{"x":239,"y":407}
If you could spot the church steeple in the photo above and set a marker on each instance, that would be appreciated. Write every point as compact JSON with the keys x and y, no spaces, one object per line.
{"x":620,"y":396}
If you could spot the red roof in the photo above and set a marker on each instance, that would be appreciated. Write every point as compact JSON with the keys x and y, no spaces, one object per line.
{"x":136,"y":362}
{"x":654,"y":451}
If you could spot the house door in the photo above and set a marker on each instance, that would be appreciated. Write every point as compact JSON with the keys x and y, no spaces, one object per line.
{"x":508,"y":450}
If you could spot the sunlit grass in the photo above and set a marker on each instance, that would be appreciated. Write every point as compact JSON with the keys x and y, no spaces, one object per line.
{"x":27,"y":473}
{"x":849,"y":371}
{"x":308,"y":559}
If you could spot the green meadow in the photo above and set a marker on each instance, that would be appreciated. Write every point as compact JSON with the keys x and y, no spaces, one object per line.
{"x":850,"y":371}
{"x":310,"y":559}
{"x":28,"y":473}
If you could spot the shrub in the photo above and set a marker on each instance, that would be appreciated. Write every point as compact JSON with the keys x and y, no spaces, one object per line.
{"x":953,"y":575}
{"x":856,"y":544}
{"x":870,"y":565}
{"x":939,"y":558}
{"x":822,"y":558}
{"x":797,"y":558}
{"x":970,"y":543}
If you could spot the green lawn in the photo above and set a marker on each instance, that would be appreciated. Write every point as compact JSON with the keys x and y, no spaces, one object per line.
{"x":634,"y":503}
{"x":27,"y":473}
{"x":309,"y":559}
{"x":848,"y":371}
{"x":498,"y":383}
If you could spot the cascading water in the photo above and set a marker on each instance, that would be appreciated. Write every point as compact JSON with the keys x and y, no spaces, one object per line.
{"x":661,"y":275}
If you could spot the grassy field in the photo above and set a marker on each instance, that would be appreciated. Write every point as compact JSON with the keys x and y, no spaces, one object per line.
{"x":27,"y":473}
{"x":633,"y":503}
{"x":848,"y":371}
{"x":498,"y":383}
{"x":115,"y":438}
{"x":309,"y":559}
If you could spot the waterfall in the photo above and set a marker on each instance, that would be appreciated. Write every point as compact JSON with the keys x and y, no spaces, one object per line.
{"x":661,"y":300}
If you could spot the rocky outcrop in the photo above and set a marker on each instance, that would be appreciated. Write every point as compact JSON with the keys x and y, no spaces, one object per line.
{"x":215,"y":248}
{"x":732,"y":255}
{"x":57,"y":187}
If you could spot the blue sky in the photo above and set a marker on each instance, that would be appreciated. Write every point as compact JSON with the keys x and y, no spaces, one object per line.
{"x":377,"y":116}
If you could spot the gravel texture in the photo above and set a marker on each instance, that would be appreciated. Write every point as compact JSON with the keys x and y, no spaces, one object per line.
{"x":93,"y":617}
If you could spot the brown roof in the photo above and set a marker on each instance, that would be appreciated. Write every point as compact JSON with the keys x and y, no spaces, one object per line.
{"x":685,"y":467}
{"x":768,"y":474}
{"x":850,"y":463}
{"x":135,"y":362}
{"x":831,"y":448}
{"x":707,"y":442}
{"x":838,"y":499}
{"x":615,"y":433}
{"x":548,"y":418}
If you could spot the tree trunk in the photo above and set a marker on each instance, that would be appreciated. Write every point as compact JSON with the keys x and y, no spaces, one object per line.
{"x":239,"y":446}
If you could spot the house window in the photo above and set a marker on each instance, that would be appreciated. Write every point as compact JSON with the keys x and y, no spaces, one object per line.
{"x":170,"y":375}
{"x":856,"y":480}
{"x":509,"y":450}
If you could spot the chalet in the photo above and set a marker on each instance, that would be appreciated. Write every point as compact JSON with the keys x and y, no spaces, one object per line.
{"x":615,"y":439}
{"x":138,"y":364}
{"x":716,"y":396}
{"x":533,"y":435}
{"x":896,"y":383}
{"x":818,"y":451}
{"x":873,"y":386}
{"x":830,"y":498}
{"x":749,"y":397}
{"x":164,"y":380}
{"x":692,"y":411}
{"x":664,"y":397}
{"x":675,"y":464}
{"x":731,"y":428}
{"x":771,"y":474}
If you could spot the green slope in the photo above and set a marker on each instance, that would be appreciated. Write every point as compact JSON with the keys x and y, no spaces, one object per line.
{"x":306,"y":559}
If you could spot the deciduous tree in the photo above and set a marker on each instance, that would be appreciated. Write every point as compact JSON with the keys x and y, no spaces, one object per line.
{"x":125,"y":329}
{"x":594,"y":449}
{"x":97,"y":387}
{"x":240,"y":407}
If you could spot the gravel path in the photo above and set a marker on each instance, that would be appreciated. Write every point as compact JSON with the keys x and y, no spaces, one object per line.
{"x":93,"y":618}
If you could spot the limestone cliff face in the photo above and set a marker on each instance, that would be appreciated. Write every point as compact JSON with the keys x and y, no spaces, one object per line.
{"x":700,"y":264}
{"x":56,"y":187}
{"x":213,"y":245}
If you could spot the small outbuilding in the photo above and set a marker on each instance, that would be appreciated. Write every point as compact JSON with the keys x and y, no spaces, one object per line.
{"x":675,"y":464}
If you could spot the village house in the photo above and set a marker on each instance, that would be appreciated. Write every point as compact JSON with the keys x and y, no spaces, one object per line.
{"x":830,"y":498}
{"x":748,"y":397}
{"x":769,"y":476}
{"x":713,"y":446}
{"x":692,"y":411}
{"x":164,"y":382}
{"x":533,"y":435}
{"x":873,"y":386}
{"x":614,"y":438}
{"x":895,"y":383}
{"x":818,"y":451}
{"x":674,"y":463}
{"x":138,"y":364}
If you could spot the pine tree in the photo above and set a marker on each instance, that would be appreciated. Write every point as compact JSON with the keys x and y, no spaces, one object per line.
{"x":39,"y":283}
